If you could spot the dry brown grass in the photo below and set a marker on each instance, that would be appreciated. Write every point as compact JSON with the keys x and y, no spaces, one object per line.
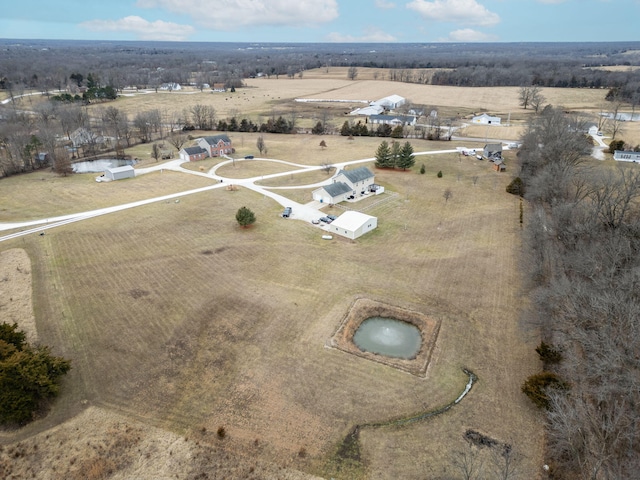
{"x":174,"y":316}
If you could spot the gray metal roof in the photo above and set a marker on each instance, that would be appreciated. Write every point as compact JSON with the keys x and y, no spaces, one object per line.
{"x":357,"y":174}
{"x":337,"y":188}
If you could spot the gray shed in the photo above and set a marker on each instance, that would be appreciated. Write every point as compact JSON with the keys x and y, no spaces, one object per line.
{"x":118,"y":173}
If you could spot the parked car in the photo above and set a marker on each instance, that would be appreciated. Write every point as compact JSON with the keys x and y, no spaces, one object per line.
{"x":350,"y":197}
{"x":325,"y":220}
{"x":331,"y":217}
{"x":248,"y":157}
{"x":315,"y":221}
{"x":287,"y":212}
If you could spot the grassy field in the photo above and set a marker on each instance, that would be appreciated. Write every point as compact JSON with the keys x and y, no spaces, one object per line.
{"x":174,"y":316}
{"x":178,"y":322}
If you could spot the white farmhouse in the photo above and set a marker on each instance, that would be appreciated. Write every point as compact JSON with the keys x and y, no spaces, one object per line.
{"x":352,"y":224}
{"x":345,"y":184}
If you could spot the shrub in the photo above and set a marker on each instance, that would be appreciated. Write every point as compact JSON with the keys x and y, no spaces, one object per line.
{"x":616,"y":145}
{"x":516,"y":187}
{"x":440,"y":174}
{"x":221,"y":433}
{"x":548,"y":354}
{"x":536,"y":387}
{"x":422,"y":169}
{"x":245,"y":217}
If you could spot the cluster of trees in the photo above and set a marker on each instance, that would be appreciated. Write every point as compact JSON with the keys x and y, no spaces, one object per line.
{"x":361,"y":130}
{"x":582,"y":265}
{"x":29,"y":376}
{"x":394,"y":155}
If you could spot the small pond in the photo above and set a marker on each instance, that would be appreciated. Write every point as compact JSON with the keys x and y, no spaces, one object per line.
{"x":387,"y":336}
{"x":99,"y":166}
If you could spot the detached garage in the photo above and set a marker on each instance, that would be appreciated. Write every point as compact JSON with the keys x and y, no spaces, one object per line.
{"x":353,"y":224}
{"x":118,"y":173}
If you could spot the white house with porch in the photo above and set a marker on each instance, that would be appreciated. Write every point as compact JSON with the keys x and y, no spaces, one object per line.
{"x":352,"y":224}
{"x":345,"y":184}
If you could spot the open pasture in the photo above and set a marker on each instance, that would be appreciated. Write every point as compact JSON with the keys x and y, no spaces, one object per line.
{"x":176,"y":317}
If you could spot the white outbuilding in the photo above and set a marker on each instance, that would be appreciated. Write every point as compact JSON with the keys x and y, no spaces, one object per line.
{"x":626,"y":156}
{"x":485,"y":119}
{"x":118,"y":173}
{"x":352,"y":224}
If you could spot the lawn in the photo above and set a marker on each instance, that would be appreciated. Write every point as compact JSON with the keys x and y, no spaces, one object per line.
{"x":175,"y":317}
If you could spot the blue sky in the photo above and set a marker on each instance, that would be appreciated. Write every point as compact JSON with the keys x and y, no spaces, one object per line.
{"x":323,"y":20}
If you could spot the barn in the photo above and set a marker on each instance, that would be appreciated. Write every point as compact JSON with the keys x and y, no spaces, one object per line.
{"x":352,"y":224}
{"x":118,"y":173}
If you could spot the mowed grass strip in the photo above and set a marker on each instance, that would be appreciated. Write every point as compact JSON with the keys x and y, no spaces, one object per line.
{"x":174,"y":314}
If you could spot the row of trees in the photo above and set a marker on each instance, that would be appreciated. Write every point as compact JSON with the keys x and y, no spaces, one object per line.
{"x":582,"y":258}
{"x":394,"y":155}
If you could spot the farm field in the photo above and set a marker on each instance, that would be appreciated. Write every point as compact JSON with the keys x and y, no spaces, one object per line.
{"x":178,"y":322}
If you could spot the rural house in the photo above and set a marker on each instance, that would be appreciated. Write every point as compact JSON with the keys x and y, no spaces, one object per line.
{"x":193,"y":154}
{"x":345,"y":184}
{"x":485,"y":119}
{"x":82,"y":137}
{"x":622,"y":156}
{"x":352,"y":224}
{"x":216,"y":145}
{"x":393,"y":120}
{"x":493,"y":151}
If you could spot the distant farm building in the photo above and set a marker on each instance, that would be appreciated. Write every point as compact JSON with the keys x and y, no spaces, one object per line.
{"x":170,"y":86}
{"x":119,"y":173}
{"x":193,"y":154}
{"x":367,"y":111}
{"x":345,"y":184}
{"x":390,"y":103}
{"x":216,"y":145}
{"x":623,"y":156}
{"x":393,"y":120}
{"x":352,"y":224}
{"x":485,"y":119}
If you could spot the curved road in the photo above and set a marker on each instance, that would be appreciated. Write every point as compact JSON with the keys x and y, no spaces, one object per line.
{"x":306,"y":212}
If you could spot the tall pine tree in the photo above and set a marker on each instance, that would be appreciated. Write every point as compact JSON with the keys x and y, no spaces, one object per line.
{"x":406,"y":158}
{"x":383,"y":155}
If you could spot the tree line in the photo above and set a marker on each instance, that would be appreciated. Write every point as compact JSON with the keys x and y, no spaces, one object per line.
{"x":581,"y":266}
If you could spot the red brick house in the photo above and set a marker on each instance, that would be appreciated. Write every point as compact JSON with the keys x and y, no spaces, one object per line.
{"x":216,"y":145}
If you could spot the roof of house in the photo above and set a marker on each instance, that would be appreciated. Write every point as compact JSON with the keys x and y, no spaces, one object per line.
{"x":337,"y":188}
{"x":124,"y":168}
{"x":399,"y":118}
{"x":214,"y":139}
{"x":371,"y":110}
{"x":390,"y":99}
{"x":194,"y":150}
{"x":351,"y":220}
{"x":357,"y":174}
{"x":485,"y":115}
{"x":494,"y":147}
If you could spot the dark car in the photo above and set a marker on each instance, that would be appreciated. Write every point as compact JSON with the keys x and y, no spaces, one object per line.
{"x":331,"y":217}
{"x":287,"y":212}
{"x":248,"y":157}
{"x":325,"y":220}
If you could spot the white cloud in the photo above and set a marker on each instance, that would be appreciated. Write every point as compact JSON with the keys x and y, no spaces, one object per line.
{"x":384,"y":4}
{"x":455,"y":11}
{"x":143,"y":29}
{"x":371,"y":35}
{"x":231,"y":14}
{"x":470,"y":35}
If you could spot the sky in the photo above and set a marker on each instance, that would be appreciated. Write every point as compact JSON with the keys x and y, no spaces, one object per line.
{"x":413,"y":21}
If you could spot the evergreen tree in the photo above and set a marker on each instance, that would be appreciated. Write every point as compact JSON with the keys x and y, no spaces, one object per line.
{"x":406,"y":158}
{"x":245,"y":217}
{"x":28,"y":376}
{"x":318,"y":129}
{"x":395,"y":154}
{"x":345,"y":131}
{"x":397,"y":132}
{"x":383,"y":156}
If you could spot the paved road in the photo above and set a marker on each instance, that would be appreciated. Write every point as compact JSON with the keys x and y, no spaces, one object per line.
{"x":304,"y":212}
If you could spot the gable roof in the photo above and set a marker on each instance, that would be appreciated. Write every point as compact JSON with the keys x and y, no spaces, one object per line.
{"x":397,"y":118}
{"x":194,"y":150}
{"x":215,"y":139}
{"x":351,"y":220}
{"x":493,"y":147}
{"x":357,"y":174}
{"x":337,"y":188}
